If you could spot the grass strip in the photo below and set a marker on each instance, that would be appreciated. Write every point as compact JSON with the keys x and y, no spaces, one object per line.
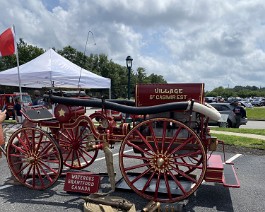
{"x":241,"y":141}
{"x":240,"y":130}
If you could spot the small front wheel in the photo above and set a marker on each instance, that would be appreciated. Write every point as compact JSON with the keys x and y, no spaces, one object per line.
{"x":74,"y":143}
{"x":34,"y":158}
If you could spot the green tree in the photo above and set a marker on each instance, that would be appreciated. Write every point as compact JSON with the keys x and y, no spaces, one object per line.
{"x":141,"y":75}
{"x":153,"y":78}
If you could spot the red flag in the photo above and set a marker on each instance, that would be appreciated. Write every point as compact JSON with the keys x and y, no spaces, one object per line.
{"x":7,"y":42}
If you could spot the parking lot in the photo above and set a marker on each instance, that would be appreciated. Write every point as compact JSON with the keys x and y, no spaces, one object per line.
{"x":209,"y":196}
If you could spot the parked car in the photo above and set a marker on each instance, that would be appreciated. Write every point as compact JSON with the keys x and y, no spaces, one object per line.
{"x":257,"y":102}
{"x":226,"y":110}
{"x":210,"y":99}
{"x":262,"y":102}
{"x":246,"y":104}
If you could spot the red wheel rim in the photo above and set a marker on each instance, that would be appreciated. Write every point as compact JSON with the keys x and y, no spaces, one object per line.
{"x":168,"y":161}
{"x":74,"y":143}
{"x":34,"y":158}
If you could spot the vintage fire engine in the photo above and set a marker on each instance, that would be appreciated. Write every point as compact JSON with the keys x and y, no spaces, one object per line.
{"x":8,"y":101}
{"x":164,"y":156}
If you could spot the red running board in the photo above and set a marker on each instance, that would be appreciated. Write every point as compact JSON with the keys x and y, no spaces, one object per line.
{"x":230,"y":177}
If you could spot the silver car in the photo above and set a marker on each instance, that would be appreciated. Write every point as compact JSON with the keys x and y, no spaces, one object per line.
{"x":228,"y":115}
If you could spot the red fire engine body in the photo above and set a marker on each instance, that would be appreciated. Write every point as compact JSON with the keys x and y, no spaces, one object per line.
{"x":163,"y":157}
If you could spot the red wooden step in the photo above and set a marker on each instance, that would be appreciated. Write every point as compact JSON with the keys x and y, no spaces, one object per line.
{"x":215,"y":167}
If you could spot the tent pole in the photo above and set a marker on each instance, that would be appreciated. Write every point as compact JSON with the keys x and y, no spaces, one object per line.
{"x":110,"y":90}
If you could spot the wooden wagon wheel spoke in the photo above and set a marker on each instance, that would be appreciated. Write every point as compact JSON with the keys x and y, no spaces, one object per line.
{"x":34,"y":158}
{"x":152,"y":132}
{"x":27,"y":174}
{"x":144,"y":140}
{"x":190,"y":166}
{"x":183,"y":174}
{"x":190,"y":154}
{"x":46,"y":173}
{"x":37,"y":147}
{"x":167,"y":185}
{"x":40,"y":176}
{"x":157,"y":185}
{"x":82,"y":153}
{"x":187,"y":159}
{"x":22,"y":168}
{"x":19,"y":149}
{"x":34,"y":177}
{"x":46,"y":150}
{"x":141,"y":175}
{"x":168,"y":162}
{"x":48,"y":156}
{"x":73,"y":144}
{"x":138,"y":148}
{"x":178,"y":183}
{"x":31,"y":142}
{"x":134,"y":156}
{"x":21,"y":142}
{"x":164,"y":135}
{"x":146,"y":185}
{"x":136,"y":166}
{"x":173,"y":138}
{"x":181,"y":145}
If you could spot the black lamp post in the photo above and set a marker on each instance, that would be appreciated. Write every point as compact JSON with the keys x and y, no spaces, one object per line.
{"x":129,"y":67}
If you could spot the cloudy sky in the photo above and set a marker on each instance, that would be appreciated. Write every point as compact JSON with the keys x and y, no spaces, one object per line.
{"x":217,"y":42}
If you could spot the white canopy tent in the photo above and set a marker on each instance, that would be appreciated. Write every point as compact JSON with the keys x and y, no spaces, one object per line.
{"x":52,"y":70}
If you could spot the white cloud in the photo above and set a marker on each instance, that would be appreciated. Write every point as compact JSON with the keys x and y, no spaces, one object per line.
{"x":220,"y":43}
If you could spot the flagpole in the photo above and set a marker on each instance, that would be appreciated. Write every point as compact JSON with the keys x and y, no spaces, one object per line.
{"x":16,"y":50}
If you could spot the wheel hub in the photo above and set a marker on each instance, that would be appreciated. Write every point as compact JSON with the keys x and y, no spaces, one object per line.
{"x":160,"y":162}
{"x":31,"y":159}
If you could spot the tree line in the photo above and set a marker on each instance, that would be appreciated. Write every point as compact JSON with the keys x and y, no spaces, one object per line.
{"x":99,"y":64}
{"x":237,"y":91}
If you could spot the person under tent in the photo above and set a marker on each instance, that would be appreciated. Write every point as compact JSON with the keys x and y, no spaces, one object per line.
{"x":38,"y":100}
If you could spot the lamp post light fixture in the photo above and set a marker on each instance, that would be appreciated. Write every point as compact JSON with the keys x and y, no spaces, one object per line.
{"x":129,"y":67}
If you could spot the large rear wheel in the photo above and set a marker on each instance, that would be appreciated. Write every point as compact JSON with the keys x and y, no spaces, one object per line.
{"x":162,"y":160}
